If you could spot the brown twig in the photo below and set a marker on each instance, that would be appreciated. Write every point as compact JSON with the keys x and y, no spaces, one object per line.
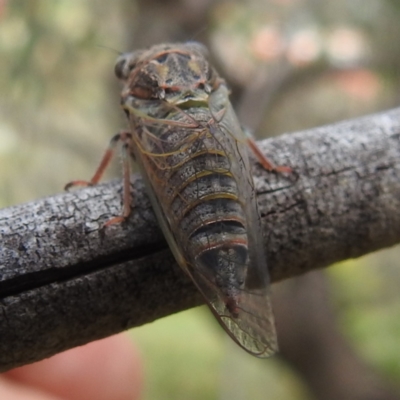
{"x":64,"y":282}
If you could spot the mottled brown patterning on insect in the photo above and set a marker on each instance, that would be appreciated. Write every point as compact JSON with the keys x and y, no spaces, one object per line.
{"x":192,"y":153}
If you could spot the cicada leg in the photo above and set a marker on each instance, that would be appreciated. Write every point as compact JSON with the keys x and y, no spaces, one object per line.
{"x":263,"y":160}
{"x":126,"y":139}
{"x":126,"y":165}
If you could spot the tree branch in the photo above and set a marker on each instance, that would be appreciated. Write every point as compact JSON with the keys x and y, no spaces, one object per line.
{"x":63,"y":282}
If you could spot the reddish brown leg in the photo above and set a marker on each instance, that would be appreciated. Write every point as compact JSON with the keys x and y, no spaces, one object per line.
{"x":126,"y":139}
{"x":268,"y":165}
{"x":105,"y":161}
{"x":126,"y":166}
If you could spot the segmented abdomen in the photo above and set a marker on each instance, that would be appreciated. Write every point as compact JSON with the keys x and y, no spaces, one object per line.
{"x":196,"y":186}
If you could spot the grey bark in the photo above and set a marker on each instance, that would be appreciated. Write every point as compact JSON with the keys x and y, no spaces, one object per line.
{"x":65,"y":282}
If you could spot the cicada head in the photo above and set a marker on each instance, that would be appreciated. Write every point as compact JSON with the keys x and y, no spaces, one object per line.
{"x":176,"y":73}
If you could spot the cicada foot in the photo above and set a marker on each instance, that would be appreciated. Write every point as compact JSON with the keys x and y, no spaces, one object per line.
{"x":72,"y":184}
{"x":114,"y":221}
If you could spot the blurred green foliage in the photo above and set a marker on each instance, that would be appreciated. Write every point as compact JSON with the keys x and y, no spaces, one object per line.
{"x":367,"y":298}
{"x":55,"y":105}
{"x":59,"y":106}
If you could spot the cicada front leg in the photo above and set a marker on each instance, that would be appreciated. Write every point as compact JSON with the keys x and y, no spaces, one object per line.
{"x":125,"y":138}
{"x":263,"y":160}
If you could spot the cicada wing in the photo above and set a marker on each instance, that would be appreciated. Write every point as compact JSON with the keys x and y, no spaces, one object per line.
{"x":252,"y":325}
{"x":253,"y":328}
{"x":161,"y":218}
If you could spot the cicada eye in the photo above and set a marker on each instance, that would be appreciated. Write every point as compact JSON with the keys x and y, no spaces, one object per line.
{"x":162,"y":58}
{"x":124,"y":65}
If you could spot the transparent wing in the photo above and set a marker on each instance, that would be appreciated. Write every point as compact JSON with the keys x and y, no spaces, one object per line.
{"x":250,"y":324}
{"x":253,"y":328}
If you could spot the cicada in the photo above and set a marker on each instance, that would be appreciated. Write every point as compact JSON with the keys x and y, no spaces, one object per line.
{"x":193,"y":155}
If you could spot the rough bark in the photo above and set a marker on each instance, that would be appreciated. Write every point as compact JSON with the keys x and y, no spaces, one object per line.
{"x":65,"y":282}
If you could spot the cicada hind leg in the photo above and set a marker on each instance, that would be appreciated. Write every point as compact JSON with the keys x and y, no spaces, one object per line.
{"x":125,"y":138}
{"x":263,"y":160}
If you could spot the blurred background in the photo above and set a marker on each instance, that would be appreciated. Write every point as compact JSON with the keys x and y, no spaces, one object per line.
{"x":291,"y":64}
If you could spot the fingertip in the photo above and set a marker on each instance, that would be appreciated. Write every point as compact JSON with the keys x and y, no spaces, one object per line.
{"x":107,"y":369}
